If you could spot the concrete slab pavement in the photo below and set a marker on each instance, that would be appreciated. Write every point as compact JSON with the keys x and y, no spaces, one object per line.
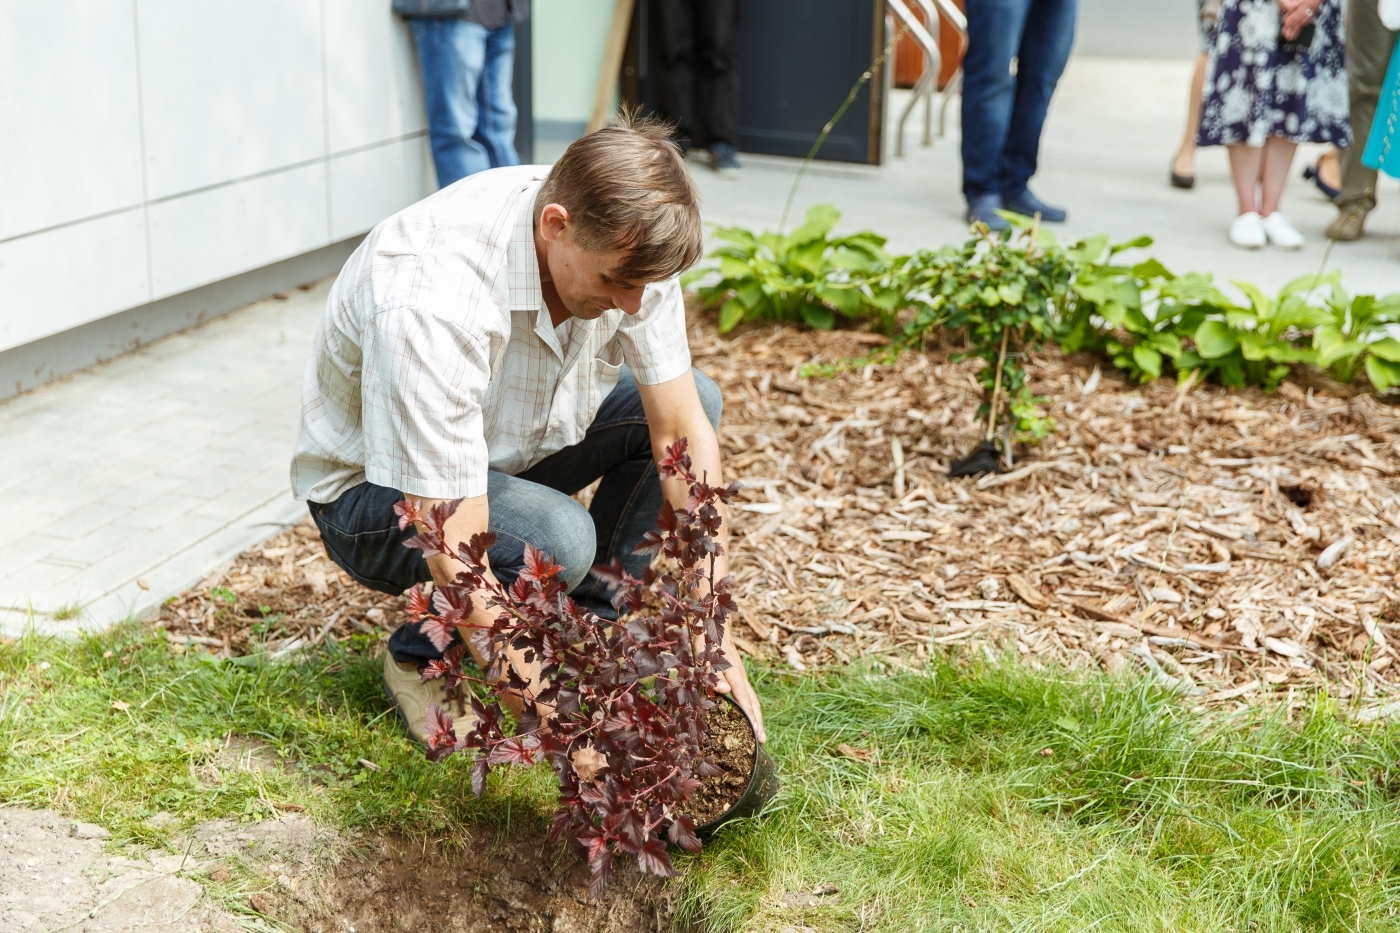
{"x":128,"y":482}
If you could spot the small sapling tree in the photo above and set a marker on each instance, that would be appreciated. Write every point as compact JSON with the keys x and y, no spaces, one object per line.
{"x":618,"y":709}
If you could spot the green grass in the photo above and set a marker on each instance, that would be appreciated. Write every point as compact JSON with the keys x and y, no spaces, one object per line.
{"x":998,"y":798}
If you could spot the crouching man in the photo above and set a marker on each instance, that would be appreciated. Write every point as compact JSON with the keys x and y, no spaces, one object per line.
{"x":506,"y":342}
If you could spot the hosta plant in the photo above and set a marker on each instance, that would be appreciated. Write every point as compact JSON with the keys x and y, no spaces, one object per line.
{"x":806,"y":276}
{"x":618,"y":709}
{"x":1356,"y":337}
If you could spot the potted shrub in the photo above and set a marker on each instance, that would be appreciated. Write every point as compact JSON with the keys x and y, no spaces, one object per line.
{"x":626,"y":712}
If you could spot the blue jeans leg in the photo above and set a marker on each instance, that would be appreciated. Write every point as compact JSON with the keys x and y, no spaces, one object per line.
{"x":495,"y":98}
{"x":455,"y":57}
{"x":1044,"y":51}
{"x":1002,"y":113}
{"x":361,"y":533}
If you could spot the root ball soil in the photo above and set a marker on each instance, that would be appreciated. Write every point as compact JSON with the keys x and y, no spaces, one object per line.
{"x":729,"y":743}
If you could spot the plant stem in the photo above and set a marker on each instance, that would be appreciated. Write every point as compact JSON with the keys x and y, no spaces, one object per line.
{"x":831,"y":124}
{"x":996,"y":386}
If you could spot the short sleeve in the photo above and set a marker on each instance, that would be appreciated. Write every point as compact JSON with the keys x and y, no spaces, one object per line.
{"x":423,"y":381}
{"x":653,"y":341}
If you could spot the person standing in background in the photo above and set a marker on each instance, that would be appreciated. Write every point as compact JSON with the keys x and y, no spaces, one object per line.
{"x":466,"y":54}
{"x":1369,"y":47}
{"x":699,"y":82}
{"x":1183,"y":168}
{"x":1003,"y":113}
{"x":1277,"y":78}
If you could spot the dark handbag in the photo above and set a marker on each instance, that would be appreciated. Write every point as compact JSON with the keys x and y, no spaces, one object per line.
{"x":431,"y":7}
{"x":1303,"y":40}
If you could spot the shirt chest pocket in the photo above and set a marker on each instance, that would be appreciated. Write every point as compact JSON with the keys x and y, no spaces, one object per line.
{"x":604,"y":366}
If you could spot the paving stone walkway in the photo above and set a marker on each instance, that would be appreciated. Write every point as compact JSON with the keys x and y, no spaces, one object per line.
{"x":126,"y":483}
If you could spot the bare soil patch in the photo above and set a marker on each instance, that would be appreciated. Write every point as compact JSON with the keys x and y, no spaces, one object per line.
{"x":1233,"y":542}
{"x":521,"y":884}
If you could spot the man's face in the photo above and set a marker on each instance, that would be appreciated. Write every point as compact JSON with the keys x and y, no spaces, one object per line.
{"x":584,"y":279}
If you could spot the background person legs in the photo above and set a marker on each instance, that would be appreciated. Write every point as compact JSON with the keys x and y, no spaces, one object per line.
{"x":1003,"y":114}
{"x":675,"y":85}
{"x":994,"y":31}
{"x":717,"y":79}
{"x":456,"y":58}
{"x":495,"y":98}
{"x":1369,"y":46}
{"x":1040,"y":61}
{"x":699,"y":82}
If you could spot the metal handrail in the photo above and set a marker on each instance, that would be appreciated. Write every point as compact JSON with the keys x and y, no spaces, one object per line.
{"x":935,"y":11}
{"x":933,"y":62}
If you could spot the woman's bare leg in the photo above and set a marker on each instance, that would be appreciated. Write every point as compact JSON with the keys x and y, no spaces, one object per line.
{"x":1184,"y":162}
{"x":1278,"y":159}
{"x":1329,"y":168}
{"x":1245,"y":163}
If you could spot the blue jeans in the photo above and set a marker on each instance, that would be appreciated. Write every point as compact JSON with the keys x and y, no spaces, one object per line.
{"x":1002,"y":113}
{"x":467,"y":71}
{"x":361,"y":533}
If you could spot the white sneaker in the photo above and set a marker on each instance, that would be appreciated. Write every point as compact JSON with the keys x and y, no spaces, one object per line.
{"x":1281,"y":233}
{"x":1247,"y":231}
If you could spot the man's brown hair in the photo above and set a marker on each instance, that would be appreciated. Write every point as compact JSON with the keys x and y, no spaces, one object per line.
{"x":626,"y":187}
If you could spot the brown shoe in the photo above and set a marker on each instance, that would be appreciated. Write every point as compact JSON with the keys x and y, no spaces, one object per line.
{"x":1348,"y":225}
{"x":412,"y":696}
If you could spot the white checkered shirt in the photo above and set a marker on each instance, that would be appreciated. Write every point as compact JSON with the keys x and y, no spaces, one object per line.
{"x":436,"y":360}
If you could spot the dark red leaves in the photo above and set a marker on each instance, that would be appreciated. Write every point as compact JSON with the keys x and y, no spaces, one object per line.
{"x":616,"y":710}
{"x":538,"y":567}
{"x":682,"y":833}
{"x":655,"y":859}
{"x":442,"y":741}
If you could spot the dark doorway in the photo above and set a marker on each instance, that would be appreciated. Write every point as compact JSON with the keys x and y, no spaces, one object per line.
{"x":797,"y":63}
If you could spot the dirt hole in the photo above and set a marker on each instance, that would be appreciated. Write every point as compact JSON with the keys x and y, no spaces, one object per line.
{"x":1300,"y":495}
{"x":522,"y":884}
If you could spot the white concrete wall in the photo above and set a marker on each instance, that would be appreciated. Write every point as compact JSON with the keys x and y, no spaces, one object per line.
{"x":149,"y":147}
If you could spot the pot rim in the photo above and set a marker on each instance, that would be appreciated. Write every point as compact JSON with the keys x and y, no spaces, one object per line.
{"x":718,"y":821}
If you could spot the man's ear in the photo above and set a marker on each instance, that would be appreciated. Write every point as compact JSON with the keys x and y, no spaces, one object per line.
{"x":554,"y":220}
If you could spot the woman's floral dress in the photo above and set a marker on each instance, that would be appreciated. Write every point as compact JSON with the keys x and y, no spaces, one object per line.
{"x":1258,"y":87}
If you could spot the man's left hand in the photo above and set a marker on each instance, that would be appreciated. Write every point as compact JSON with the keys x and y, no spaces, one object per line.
{"x":735,"y":681}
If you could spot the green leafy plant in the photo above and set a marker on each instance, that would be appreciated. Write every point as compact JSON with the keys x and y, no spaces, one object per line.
{"x":1147,"y":320}
{"x":1258,"y":343}
{"x":1138,"y":315}
{"x":1356,"y":338}
{"x":806,"y":276}
{"x":999,"y":293}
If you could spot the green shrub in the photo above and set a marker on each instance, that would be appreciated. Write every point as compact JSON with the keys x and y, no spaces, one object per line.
{"x":1354,"y":337}
{"x":1145,"y":319}
{"x":992,"y":288}
{"x":806,"y":276}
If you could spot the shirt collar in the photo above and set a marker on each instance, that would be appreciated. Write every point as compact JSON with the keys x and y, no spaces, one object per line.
{"x":521,"y":260}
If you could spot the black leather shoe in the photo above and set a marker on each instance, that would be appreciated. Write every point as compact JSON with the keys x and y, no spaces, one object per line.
{"x":1313,"y":175}
{"x":1030,"y":205}
{"x":983,"y":209}
{"x":1185,"y":182}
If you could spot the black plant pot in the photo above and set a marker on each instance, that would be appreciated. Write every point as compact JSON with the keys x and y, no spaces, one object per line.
{"x":762,"y":786}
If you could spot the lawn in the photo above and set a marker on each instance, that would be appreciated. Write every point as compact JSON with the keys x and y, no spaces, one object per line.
{"x":960,"y":795}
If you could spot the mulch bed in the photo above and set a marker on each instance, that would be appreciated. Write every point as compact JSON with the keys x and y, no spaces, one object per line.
{"x":1236,"y":544}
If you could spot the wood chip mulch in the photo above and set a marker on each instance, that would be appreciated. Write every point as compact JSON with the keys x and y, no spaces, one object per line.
{"x":1234,"y":544}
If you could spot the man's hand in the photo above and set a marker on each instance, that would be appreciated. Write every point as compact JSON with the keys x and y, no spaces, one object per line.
{"x":674,"y":411}
{"x":735,"y":681}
